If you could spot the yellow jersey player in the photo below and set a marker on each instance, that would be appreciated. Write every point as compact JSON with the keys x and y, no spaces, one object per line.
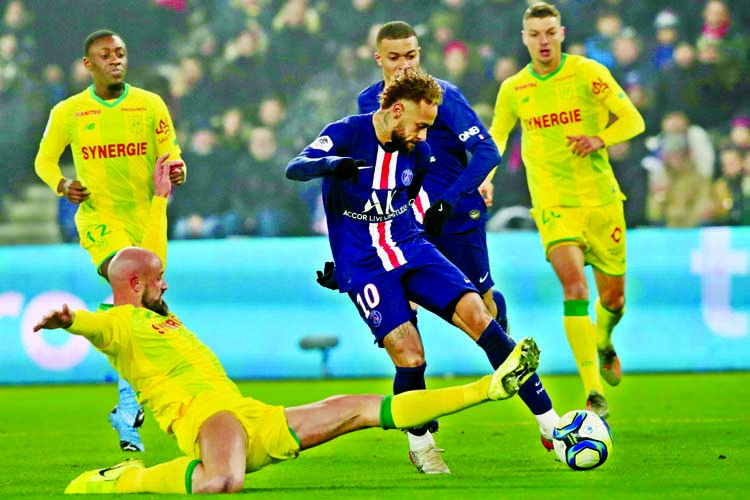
{"x":223,"y":434}
{"x":571,"y":109}
{"x":116,"y":133}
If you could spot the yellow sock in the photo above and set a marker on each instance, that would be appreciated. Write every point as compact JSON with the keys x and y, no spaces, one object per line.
{"x":581,"y":335}
{"x":169,"y":477}
{"x":413,"y":408}
{"x":605,"y":323}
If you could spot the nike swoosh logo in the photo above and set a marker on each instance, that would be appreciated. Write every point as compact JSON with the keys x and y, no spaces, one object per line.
{"x":127,"y":463}
{"x":484,"y":278}
{"x":103,"y":472}
{"x":440,"y":208}
{"x":538,"y":383}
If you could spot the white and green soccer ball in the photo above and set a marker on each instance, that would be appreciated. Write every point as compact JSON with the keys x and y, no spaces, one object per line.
{"x":582,"y":439}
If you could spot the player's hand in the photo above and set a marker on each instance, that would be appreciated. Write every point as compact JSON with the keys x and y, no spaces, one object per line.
{"x":162,"y":178}
{"x":348,"y":169}
{"x":487,"y":190}
{"x":56,"y":319}
{"x":436,"y":216}
{"x":327,"y":277}
{"x":176,"y":171}
{"x":582,"y":145}
{"x":73,"y":190}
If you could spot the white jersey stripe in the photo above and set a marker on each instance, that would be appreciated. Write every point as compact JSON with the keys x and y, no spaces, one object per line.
{"x":390,"y":255}
{"x":384,"y":176}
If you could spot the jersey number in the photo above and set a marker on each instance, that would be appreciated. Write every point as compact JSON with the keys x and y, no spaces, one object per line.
{"x":370,"y":301}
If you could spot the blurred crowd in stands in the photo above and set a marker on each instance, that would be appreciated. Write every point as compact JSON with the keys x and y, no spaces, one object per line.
{"x":251,"y":82}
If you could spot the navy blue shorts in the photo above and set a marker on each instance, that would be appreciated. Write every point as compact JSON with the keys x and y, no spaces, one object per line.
{"x":468,"y":251}
{"x":429,"y":280}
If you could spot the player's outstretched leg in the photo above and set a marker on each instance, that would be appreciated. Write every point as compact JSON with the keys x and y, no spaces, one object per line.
{"x":102,"y":480}
{"x":126,"y":417}
{"x":498,"y":345}
{"x":520,"y":364}
{"x":423,"y":452}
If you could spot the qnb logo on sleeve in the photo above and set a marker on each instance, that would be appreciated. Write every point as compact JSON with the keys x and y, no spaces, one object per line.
{"x":466,"y":134}
{"x":324,"y":143}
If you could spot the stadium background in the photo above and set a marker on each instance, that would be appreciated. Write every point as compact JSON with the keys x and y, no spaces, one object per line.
{"x":249,"y":83}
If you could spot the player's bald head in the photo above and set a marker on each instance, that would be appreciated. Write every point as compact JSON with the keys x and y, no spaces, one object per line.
{"x":130,"y":262}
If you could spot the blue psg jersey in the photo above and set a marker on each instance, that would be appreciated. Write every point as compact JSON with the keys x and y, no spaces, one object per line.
{"x":457,"y":131}
{"x":370,"y":227}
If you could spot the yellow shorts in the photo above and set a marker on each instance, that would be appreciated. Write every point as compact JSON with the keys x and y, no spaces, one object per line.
{"x":103,"y":238}
{"x":269,"y":438}
{"x":599,"y":231}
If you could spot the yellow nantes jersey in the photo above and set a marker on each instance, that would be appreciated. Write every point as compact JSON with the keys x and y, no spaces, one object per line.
{"x":166,"y":363}
{"x":576,"y":99}
{"x":115,"y":145}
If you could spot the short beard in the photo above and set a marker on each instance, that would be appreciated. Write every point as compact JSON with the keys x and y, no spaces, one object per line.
{"x":116,"y":87}
{"x":399,"y":140}
{"x":158,"y":306}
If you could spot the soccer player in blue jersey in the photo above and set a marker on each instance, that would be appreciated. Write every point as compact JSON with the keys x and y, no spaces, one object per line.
{"x":450,"y":206}
{"x":373,"y":166}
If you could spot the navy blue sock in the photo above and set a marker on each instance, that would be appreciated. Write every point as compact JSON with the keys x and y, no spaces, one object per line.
{"x":410,"y":379}
{"x":497,"y":345}
{"x":502,"y":309}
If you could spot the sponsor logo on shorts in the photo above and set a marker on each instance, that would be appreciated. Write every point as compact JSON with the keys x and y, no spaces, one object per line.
{"x":548,"y":215}
{"x":474,"y":214}
{"x":376,"y":318}
{"x":616,"y":235}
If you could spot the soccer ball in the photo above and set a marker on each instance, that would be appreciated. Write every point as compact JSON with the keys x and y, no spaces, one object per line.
{"x":582,"y":439}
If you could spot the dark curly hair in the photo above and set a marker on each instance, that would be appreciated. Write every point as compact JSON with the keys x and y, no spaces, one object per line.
{"x":412,"y":85}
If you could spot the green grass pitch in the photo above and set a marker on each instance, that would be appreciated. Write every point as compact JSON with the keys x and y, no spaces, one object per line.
{"x":676,"y":436}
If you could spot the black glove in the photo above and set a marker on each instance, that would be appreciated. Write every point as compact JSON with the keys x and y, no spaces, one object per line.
{"x":327,"y":277}
{"x":436,"y":216}
{"x":348,"y":168}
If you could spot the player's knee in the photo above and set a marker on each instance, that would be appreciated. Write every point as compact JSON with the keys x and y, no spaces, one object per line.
{"x":576,"y":290}
{"x":473,"y":311}
{"x":224,"y":482}
{"x":614,"y":302}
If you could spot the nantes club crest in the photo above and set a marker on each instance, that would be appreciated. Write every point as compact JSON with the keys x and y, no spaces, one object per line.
{"x":135,"y":124}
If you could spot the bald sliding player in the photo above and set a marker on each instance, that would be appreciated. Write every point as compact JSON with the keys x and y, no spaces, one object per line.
{"x":222,"y":434}
{"x":117,"y":133}
{"x":452,"y":212}
{"x":566,"y":104}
